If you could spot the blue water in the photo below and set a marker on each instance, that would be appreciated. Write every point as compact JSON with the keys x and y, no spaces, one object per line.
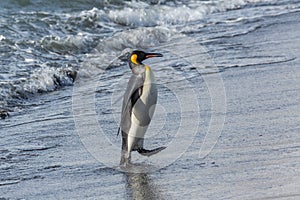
{"x":62,"y":76}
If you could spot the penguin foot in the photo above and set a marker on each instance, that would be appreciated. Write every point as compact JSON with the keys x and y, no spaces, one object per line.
{"x":125,"y":158}
{"x":151,"y":152}
{"x":125,"y":163}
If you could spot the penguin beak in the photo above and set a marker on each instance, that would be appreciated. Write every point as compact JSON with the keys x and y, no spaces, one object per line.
{"x":152,"y":55}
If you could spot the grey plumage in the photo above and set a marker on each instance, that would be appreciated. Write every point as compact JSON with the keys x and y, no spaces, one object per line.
{"x":132,"y":94}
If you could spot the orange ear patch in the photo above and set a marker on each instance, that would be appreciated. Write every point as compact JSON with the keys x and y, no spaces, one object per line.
{"x":133,"y":59}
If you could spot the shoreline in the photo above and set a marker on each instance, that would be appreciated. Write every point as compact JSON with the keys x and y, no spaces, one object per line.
{"x":256,"y":157}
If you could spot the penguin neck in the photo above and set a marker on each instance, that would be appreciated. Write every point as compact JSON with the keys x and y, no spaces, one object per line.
{"x":137,"y":69}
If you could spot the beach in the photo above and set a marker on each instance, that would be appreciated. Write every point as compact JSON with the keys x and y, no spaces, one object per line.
{"x":228,"y":110}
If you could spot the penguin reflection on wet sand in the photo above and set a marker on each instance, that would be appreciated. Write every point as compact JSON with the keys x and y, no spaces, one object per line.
{"x":141,"y":186}
{"x":138,"y":107}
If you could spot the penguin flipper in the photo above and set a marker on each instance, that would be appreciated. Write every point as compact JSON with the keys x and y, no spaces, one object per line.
{"x":131,"y":96}
{"x":146,"y":152}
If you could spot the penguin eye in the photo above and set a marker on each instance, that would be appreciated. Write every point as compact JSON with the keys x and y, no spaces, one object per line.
{"x":133,"y":59}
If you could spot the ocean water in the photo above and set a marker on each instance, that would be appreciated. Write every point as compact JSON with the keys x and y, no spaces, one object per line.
{"x":228,"y":105}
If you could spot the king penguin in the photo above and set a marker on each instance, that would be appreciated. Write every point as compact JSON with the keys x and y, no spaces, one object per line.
{"x":138,"y":107}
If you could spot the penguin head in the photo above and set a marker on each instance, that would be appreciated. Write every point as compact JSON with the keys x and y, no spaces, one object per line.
{"x":136,"y":57}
